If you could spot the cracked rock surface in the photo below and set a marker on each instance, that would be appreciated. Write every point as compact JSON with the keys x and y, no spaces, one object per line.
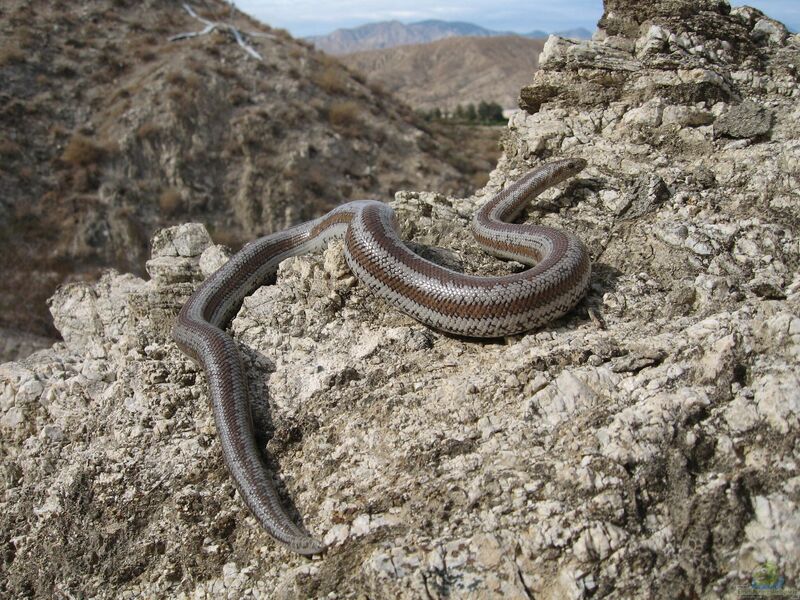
{"x":645,"y":445}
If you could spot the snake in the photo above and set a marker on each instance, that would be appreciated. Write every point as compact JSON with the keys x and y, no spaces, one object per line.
{"x":446,"y":300}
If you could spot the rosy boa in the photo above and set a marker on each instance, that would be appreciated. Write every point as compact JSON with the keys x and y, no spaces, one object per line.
{"x":446,"y":300}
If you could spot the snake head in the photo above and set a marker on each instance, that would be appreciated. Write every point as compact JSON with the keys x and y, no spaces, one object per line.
{"x":574,"y":165}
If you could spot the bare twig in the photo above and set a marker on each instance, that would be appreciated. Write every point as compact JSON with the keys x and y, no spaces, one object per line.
{"x":212,"y":25}
{"x":191,"y":34}
{"x":190,"y":10}
{"x":247,"y":48}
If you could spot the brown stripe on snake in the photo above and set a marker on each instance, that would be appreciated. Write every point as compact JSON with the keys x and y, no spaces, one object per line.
{"x":229,"y":285}
{"x":467,"y":307}
{"x":453,"y":302}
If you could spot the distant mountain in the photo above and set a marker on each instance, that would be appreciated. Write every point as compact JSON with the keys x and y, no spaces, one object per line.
{"x":536,"y":34}
{"x":452,"y":71}
{"x":388,"y":34}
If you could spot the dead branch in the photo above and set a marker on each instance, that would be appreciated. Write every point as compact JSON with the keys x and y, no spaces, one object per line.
{"x":212,"y":25}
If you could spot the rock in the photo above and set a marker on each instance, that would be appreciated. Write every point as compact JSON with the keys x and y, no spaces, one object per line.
{"x":719,"y":361}
{"x":647,"y":115}
{"x":623,"y":17}
{"x":770,"y":31}
{"x":89,"y":316}
{"x":212,"y":259}
{"x":598,"y":542}
{"x":778,"y":401}
{"x":686,"y":116}
{"x":189,"y":239}
{"x":773,"y":532}
{"x":569,"y":394}
{"x":745,"y":120}
{"x":177,"y":253}
{"x":644,"y":195}
{"x":562,"y":53}
{"x":741,"y":415}
{"x":168,"y":269}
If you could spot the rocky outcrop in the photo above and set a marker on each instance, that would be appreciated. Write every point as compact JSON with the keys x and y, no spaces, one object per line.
{"x":643,"y":446}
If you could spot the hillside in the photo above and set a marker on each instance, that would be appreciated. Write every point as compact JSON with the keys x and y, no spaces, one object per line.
{"x":452,"y":71}
{"x":389,"y":34}
{"x":109,"y":131}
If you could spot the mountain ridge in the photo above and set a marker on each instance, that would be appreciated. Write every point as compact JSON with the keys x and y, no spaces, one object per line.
{"x":390,"y":34}
{"x":452,"y":71}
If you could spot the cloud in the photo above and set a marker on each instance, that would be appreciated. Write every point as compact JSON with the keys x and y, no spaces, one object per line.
{"x":308,"y":17}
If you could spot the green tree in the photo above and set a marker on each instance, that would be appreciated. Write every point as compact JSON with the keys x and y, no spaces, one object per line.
{"x":470,"y":114}
{"x":494,"y":113}
{"x":483,"y":111}
{"x":490,"y":112}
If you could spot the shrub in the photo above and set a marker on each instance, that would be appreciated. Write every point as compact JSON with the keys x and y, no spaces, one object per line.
{"x":193,"y":81}
{"x":357,"y":75}
{"x":175,"y":78}
{"x":196,"y":66}
{"x":490,"y":112}
{"x":145,"y":54}
{"x":238,"y":97}
{"x":9,"y":148}
{"x":10,"y":54}
{"x":82,"y":152}
{"x":344,"y":116}
{"x":282,"y":34}
{"x":65,"y":68}
{"x":226,"y":71}
{"x":170,"y":201}
{"x":331,"y":80}
{"x":376,"y":87}
{"x":147,"y":130}
{"x":181,"y":100}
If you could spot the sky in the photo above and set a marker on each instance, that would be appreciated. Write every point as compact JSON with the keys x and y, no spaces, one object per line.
{"x":311,"y":17}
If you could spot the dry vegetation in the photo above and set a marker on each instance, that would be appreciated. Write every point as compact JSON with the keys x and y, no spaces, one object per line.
{"x":147,"y":130}
{"x":345,"y":117}
{"x":83,"y":152}
{"x":10,"y":53}
{"x":331,"y":80}
{"x":170,"y":201}
{"x":9,"y":149}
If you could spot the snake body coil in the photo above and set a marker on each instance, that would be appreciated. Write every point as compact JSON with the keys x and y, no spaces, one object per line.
{"x":446,"y":300}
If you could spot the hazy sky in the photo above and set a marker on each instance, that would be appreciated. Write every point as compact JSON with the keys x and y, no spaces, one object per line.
{"x":310,"y":17}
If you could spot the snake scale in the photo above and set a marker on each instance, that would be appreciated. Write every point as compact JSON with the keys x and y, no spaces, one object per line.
{"x":446,"y":300}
